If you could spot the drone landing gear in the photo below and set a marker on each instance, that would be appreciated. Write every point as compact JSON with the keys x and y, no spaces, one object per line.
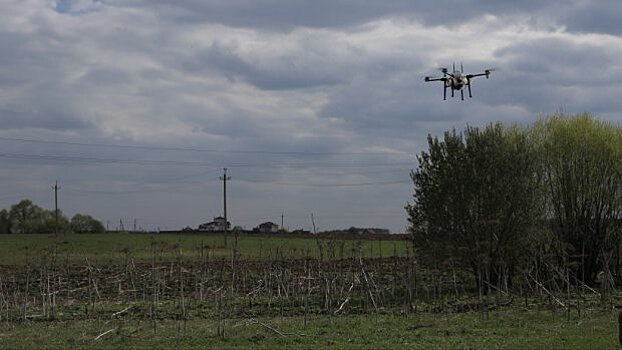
{"x":462,"y":94}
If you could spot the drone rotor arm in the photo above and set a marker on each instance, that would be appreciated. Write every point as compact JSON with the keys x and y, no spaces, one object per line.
{"x":485,"y":74}
{"x":434,"y":79}
{"x":469,"y":76}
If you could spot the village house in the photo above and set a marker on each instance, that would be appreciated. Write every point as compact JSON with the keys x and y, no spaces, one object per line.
{"x":267,"y":227}
{"x":217,"y":225}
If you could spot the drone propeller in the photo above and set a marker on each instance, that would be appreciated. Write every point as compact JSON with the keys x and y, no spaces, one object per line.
{"x":487,"y":71}
{"x":445,"y":71}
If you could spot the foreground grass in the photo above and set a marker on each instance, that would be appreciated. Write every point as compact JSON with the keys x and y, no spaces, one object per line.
{"x":19,"y":249}
{"x":505,"y":329}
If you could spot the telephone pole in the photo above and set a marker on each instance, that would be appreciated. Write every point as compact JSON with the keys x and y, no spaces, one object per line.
{"x":224,"y":179}
{"x":55,"y":187}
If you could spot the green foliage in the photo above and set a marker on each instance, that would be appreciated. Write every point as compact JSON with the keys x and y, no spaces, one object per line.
{"x":21,"y":215}
{"x":27,"y":217}
{"x":582,"y":169}
{"x":5,"y":221}
{"x":86,"y":224}
{"x":478,"y":195}
{"x":474,"y":197}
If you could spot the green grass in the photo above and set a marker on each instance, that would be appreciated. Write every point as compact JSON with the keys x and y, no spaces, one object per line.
{"x":508,"y":329}
{"x":18,"y":249}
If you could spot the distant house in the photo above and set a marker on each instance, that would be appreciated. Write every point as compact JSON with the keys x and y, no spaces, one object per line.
{"x":359,"y":231}
{"x":268,"y":227}
{"x":218,"y":225}
{"x":367,"y":231}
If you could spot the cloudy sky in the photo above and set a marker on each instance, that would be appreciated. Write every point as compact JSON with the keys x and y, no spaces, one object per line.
{"x":135,"y":107}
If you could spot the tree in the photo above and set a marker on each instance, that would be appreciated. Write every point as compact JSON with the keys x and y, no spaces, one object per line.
{"x":475,"y":198}
{"x":86,"y":224}
{"x":5,"y":222}
{"x":583,"y":174}
{"x":27,"y":217}
{"x":21,"y":216}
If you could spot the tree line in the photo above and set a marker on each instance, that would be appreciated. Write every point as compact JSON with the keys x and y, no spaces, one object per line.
{"x":27,"y":217}
{"x":503,"y":199}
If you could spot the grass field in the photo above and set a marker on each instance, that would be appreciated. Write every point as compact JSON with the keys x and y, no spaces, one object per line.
{"x":190,"y":291}
{"x":508,"y":329}
{"x":114,"y":247}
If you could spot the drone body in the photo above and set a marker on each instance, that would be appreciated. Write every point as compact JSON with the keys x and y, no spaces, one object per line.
{"x":456,"y":80}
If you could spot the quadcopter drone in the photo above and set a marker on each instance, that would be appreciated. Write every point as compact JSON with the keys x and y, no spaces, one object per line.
{"x":456,"y":80}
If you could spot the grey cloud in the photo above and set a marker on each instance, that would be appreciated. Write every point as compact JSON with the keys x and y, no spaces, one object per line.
{"x":289,"y":71}
{"x":594,"y":17}
{"x":540,"y":76}
{"x":50,"y":117}
{"x":286,"y":15}
{"x":565,"y":58}
{"x":311,"y":90}
{"x":106,"y":76}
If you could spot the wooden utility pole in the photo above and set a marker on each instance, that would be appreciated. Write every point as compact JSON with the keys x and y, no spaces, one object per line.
{"x":313,"y":222}
{"x":224,"y":179}
{"x":56,"y":207}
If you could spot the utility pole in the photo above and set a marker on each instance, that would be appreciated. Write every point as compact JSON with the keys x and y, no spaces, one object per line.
{"x":56,"y":207}
{"x":282,"y":220}
{"x":224,"y":179}
{"x":313,"y":222}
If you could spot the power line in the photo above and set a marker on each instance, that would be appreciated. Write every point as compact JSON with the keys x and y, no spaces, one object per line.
{"x":95,"y":160}
{"x":183,"y":149}
{"x":351,"y":184}
{"x":272,"y":183}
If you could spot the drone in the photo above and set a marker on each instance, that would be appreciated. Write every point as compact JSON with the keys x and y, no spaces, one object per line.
{"x":456,"y":80}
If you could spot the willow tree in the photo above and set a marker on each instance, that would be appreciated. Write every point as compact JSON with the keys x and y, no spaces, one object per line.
{"x":582,"y":171}
{"x":475,"y":197}
{"x":27,"y":217}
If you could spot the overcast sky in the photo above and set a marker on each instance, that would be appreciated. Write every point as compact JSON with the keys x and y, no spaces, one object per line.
{"x":135,"y":107}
